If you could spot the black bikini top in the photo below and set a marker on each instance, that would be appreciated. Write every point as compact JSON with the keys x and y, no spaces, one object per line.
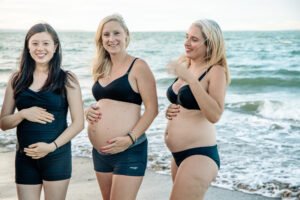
{"x":119,"y":90}
{"x":185,"y":97}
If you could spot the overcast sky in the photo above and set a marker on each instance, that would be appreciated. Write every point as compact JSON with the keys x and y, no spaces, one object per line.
{"x":152,"y":15}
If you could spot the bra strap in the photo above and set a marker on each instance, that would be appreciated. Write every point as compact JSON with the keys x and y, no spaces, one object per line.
{"x":202,"y":76}
{"x":131,"y":65}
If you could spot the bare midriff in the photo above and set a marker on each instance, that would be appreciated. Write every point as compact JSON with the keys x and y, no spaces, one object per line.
{"x":117,"y":119}
{"x":189,"y":129}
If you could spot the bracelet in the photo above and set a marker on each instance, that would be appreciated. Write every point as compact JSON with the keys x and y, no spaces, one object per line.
{"x":134,"y":137}
{"x":131,"y":138}
{"x":55,"y":145}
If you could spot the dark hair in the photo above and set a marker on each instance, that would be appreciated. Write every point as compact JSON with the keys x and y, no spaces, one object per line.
{"x":57,"y":78}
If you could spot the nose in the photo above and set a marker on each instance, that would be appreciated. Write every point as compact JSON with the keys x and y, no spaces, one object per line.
{"x":111,"y":37}
{"x":39,"y":47}
{"x":187,"y":42}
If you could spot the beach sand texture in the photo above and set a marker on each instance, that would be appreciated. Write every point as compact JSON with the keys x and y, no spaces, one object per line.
{"x":83,"y":185}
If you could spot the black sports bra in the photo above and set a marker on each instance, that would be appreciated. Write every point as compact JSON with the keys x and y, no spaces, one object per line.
{"x":119,"y":90}
{"x":185,"y":97}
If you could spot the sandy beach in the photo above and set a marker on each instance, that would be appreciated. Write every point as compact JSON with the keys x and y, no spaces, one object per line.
{"x":83,"y":185}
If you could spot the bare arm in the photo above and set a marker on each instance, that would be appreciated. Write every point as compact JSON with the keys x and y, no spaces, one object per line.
{"x":211,"y":102}
{"x":147,"y":89}
{"x":76,"y":110}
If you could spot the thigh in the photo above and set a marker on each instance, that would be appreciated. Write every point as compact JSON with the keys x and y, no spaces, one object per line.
{"x":174,"y":169}
{"x":29,"y":192}
{"x":105,"y":182}
{"x":125,"y":187}
{"x":56,"y":190}
{"x":193,"y":178}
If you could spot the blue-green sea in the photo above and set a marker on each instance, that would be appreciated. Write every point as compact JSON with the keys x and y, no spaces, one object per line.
{"x":259,"y":133}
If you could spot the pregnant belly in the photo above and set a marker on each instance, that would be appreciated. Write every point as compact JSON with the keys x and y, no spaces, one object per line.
{"x":117,"y":119}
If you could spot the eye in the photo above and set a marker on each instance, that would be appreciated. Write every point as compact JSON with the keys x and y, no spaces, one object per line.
{"x":194,"y":39}
{"x":117,"y":33}
{"x":106,"y":34}
{"x":46,"y":43}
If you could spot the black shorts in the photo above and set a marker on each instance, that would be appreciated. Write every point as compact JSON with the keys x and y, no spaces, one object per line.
{"x":131,"y":162}
{"x":53,"y":167}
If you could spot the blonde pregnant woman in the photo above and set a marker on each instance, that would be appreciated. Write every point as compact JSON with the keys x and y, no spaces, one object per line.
{"x":197,"y":98}
{"x":116,"y":125}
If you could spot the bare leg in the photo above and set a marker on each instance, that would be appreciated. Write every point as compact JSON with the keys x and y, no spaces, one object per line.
{"x":56,"y":190}
{"x":125,"y":187}
{"x":174,"y":169}
{"x":104,"y":182}
{"x":193,"y":178}
{"x":29,"y":192}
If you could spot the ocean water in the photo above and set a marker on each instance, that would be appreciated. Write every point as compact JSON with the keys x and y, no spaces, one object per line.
{"x":259,"y":133}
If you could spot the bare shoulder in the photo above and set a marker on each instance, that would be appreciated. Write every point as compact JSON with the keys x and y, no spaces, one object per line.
{"x":217,"y":71}
{"x":72,"y":80}
{"x":141,"y":66}
{"x":140,"y":63}
{"x":11,"y":79}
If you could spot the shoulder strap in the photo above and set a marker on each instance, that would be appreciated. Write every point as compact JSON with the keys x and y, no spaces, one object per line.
{"x":204,"y":74}
{"x":131,"y":65}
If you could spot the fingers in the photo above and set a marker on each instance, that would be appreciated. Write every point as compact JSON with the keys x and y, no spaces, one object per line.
{"x":31,"y":152}
{"x":95,"y":106}
{"x":93,"y":114}
{"x":36,"y":150}
{"x":115,"y":145}
{"x":39,"y":115}
{"x":46,"y":116}
{"x":108,"y":148}
{"x":32,"y":146}
{"x":172,"y":111}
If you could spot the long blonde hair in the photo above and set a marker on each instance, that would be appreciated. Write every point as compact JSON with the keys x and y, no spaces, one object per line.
{"x":102,"y":62}
{"x":215,"y":44}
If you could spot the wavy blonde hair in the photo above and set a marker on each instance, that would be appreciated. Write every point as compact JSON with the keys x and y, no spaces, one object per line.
{"x":215,"y":44}
{"x":102,"y":62}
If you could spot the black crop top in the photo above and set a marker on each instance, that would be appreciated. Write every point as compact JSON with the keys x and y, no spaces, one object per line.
{"x":119,"y":90}
{"x":185,"y":97}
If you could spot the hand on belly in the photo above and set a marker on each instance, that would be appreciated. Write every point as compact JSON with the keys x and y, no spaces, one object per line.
{"x":116,"y":145}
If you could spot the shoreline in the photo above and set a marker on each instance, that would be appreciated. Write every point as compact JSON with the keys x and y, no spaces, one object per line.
{"x":83,"y":184}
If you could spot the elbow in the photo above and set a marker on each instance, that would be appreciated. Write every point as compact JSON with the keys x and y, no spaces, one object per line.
{"x":155,"y":112}
{"x":2,"y":126}
{"x":214,"y":118}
